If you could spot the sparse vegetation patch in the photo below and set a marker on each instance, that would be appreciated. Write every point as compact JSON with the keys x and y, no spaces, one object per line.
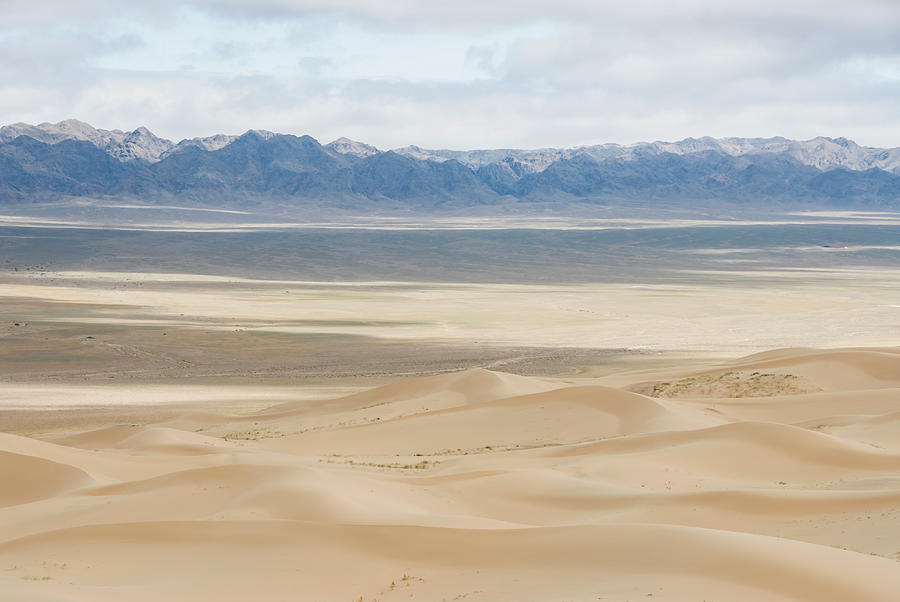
{"x":732,"y":385}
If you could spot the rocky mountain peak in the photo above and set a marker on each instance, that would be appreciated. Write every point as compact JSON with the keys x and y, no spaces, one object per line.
{"x":264,"y":134}
{"x":143,"y":144}
{"x":823,"y":153}
{"x":346,"y":146}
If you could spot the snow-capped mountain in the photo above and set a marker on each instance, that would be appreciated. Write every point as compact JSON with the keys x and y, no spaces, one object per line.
{"x":345,"y":146}
{"x":71,"y":159}
{"x":822,"y":153}
{"x":140,"y":143}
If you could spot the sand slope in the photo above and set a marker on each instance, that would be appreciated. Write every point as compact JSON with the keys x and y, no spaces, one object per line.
{"x":480,"y":485}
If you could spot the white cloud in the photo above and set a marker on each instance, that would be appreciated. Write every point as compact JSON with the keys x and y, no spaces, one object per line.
{"x":465,"y":74}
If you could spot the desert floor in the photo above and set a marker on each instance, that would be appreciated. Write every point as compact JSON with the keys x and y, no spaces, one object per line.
{"x":179,"y":437}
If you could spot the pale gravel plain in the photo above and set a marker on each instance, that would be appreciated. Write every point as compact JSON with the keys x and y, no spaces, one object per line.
{"x":726,"y":312}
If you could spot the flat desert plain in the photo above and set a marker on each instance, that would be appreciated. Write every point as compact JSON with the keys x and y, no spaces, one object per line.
{"x":179,"y":437}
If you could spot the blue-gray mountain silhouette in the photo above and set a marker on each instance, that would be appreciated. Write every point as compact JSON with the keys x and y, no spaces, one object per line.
{"x":73,"y":160}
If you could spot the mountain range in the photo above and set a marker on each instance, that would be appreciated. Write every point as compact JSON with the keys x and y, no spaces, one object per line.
{"x":72,"y":159}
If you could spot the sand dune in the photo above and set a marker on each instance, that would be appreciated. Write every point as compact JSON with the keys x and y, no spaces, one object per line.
{"x":44,"y":478}
{"x":878,"y":430}
{"x":430,"y":393}
{"x":564,"y":415}
{"x":480,"y":485}
{"x":240,"y":559}
{"x":784,"y":372}
{"x":159,"y":439}
{"x":838,"y":370}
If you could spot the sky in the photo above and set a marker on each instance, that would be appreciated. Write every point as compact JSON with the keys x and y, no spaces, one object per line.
{"x":464,"y":74}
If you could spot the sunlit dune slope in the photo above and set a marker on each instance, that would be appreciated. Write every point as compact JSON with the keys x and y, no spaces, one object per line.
{"x":480,"y":485}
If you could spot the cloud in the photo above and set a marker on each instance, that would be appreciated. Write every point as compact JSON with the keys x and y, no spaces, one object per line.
{"x":464,"y":74}
{"x":483,"y":58}
{"x":316,"y":65}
